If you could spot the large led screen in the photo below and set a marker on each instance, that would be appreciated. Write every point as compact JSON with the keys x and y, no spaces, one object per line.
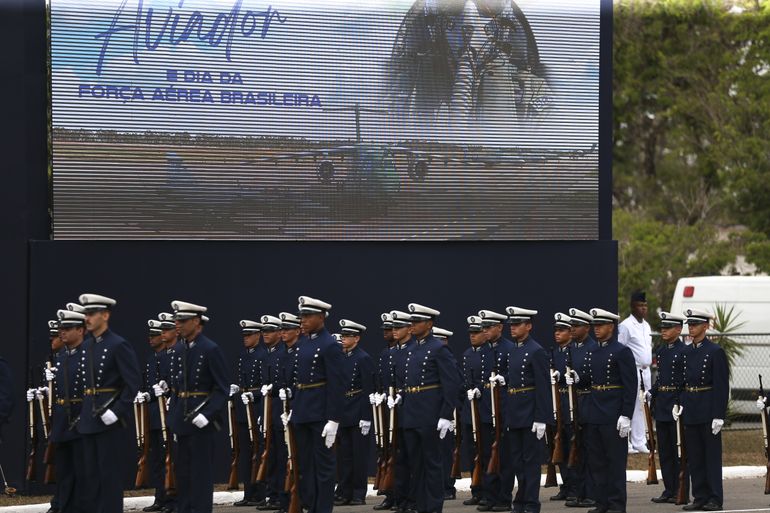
{"x":337,"y":119}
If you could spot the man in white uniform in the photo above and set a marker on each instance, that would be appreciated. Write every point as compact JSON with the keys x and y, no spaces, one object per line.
{"x":635,"y":333}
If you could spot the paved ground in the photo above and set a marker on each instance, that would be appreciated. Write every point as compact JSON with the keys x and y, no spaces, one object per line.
{"x":745,"y":495}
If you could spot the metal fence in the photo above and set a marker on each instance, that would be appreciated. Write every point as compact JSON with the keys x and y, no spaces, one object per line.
{"x":751,"y":359}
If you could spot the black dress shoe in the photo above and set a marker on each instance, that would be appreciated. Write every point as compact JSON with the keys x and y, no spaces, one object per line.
{"x":473,"y":501}
{"x":450,"y":496}
{"x":245,"y":502}
{"x":501,"y":507}
{"x":695,"y":506}
{"x":561,"y":496}
{"x":269,"y":506}
{"x":660,"y":500}
{"x":341,"y":502}
{"x":581,"y":503}
{"x":712,"y":506}
{"x":356,"y":502}
{"x":484,"y":506}
{"x":154,"y":507}
{"x":261,"y":503}
{"x":385,"y":504}
{"x":598,"y":509}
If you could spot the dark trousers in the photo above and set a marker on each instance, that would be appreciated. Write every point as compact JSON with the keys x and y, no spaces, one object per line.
{"x":404,"y":492}
{"x":70,"y":476}
{"x":424,"y":453}
{"x":352,"y":463}
{"x":195,"y":472}
{"x":447,"y":455}
{"x":567,"y":474}
{"x":607,"y":464}
{"x":157,"y":466}
{"x":669,"y":459}
{"x":104,"y":493}
{"x":581,"y":475}
{"x":255,"y":491}
{"x":525,"y":454}
{"x":704,"y":459}
{"x":317,"y":467}
{"x":276,"y":467}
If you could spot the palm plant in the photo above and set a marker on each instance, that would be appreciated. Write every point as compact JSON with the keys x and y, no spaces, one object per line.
{"x":726,"y":324}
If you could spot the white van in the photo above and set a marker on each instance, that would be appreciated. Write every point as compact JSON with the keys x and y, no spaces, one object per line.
{"x":750,"y":295}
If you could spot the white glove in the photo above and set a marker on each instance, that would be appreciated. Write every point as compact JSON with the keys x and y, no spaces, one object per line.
{"x":539,"y":429}
{"x":266,"y":389}
{"x":373,"y":399}
{"x":572,"y":377}
{"x":623,"y":426}
{"x":365,"y":426}
{"x":160,"y":388}
{"x":31,"y":393}
{"x":50,"y":374}
{"x":109,"y":418}
{"x":284,"y":393}
{"x":234,"y":389}
{"x":555,"y":376}
{"x":442,"y":427}
{"x":647,"y":397}
{"x":381,"y":398}
{"x":200,"y":421}
{"x":285,"y":417}
{"x":474,"y":393}
{"x":676,"y":411}
{"x":330,"y":432}
{"x":761,"y":403}
{"x":716,"y":426}
{"x":497,"y":380}
{"x":247,"y":397}
{"x":392,"y":402}
{"x":41,"y":392}
{"x":142,"y":397}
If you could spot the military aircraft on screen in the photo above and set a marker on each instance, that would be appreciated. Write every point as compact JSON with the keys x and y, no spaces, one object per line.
{"x":372,"y":163}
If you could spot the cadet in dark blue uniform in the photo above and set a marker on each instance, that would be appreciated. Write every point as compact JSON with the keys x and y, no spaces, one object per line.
{"x":354,"y":443}
{"x":527,"y":411}
{"x":583,"y":344}
{"x":611,"y":371}
{"x":199,"y":390}
{"x":111,"y":376}
{"x":429,"y":396}
{"x":151,"y":376}
{"x":664,"y":396}
{"x":703,"y":409}
{"x":472,"y":372}
{"x":165,"y":360}
{"x":270,"y":377}
{"x":249,"y":385}
{"x":318,"y":395}
{"x":381,"y":383}
{"x":495,"y":361}
{"x":405,"y":480}
{"x":448,"y":443}
{"x":562,"y":333}
{"x":68,"y":398}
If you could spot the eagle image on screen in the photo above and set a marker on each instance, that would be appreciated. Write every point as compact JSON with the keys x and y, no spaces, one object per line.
{"x":348,"y":119}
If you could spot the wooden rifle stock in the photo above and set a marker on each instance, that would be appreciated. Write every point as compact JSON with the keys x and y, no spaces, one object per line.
{"x":142,"y":466}
{"x":494,"y":458}
{"x":232,"y":481}
{"x":378,"y":445}
{"x":268,"y":432}
{"x":478,"y":473}
{"x":254,"y":439}
{"x":32,"y":458}
{"x":550,"y":476}
{"x":456,"y":473}
{"x":292,"y":471}
{"x":169,"y":481}
{"x":50,"y":463}
{"x":390,"y":466}
{"x":557,"y":450}
{"x":652,"y":473}
{"x":382,"y":465}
